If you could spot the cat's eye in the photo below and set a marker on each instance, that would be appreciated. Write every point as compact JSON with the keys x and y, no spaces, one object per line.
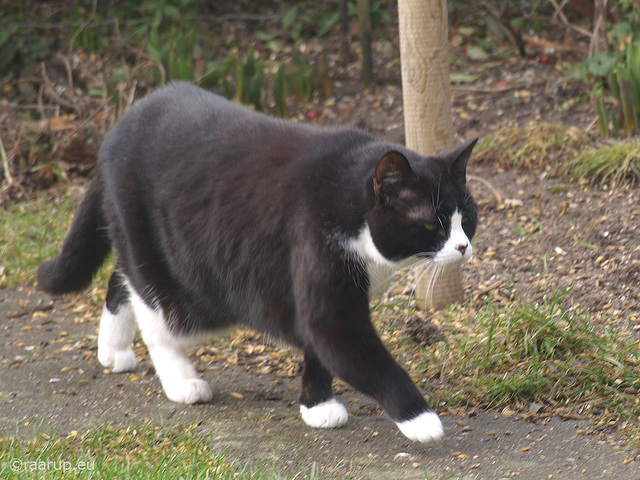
{"x":465,"y":220}
{"x":431,"y":227}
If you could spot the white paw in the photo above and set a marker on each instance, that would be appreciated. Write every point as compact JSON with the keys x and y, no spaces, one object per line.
{"x":329,"y":414}
{"x":193,"y":390}
{"x":426,"y":427}
{"x":117,"y":360}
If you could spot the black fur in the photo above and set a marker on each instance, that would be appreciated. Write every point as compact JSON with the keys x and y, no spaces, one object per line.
{"x":84,"y":250}
{"x":222,"y":215}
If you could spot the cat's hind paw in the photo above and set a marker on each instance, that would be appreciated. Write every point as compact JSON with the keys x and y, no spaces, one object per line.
{"x":192,"y":390}
{"x":424,"y":428}
{"x":117,"y":361}
{"x":329,"y":414}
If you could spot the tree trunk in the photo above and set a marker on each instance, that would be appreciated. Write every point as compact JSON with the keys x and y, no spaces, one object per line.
{"x":426,"y":91}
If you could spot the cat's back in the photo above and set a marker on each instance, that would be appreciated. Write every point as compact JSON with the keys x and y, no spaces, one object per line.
{"x":183,"y":142}
{"x":182,"y":110}
{"x":182,"y":124}
{"x":185,"y":126}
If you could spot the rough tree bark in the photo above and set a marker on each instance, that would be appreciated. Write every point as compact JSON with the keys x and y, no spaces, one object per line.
{"x":426,"y":90}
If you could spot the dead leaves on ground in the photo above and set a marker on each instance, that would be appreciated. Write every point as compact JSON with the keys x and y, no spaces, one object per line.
{"x":248,"y":349}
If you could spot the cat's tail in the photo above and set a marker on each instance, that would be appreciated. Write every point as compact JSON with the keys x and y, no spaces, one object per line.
{"x":84,"y":250}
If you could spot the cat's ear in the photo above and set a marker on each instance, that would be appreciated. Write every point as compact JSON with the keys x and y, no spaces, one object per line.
{"x":392,"y":170}
{"x":459,"y":159}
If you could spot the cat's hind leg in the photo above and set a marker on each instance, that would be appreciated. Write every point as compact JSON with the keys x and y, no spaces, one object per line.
{"x":318,"y":406}
{"x":180,"y":380}
{"x":117,"y":328}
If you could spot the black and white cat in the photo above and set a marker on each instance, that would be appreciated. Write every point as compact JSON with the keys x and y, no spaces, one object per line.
{"x":222,"y":215}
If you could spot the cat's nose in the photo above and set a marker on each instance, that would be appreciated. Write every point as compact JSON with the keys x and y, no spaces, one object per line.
{"x":462,"y":248}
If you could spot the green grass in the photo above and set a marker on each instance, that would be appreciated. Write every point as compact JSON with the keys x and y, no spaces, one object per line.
{"x":143,"y":451}
{"x":614,"y":162}
{"x":524,"y":353}
{"x":33,"y":231}
{"x":547,"y":357}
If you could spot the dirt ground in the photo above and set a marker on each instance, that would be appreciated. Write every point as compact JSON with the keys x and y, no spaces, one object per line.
{"x":537,"y":231}
{"x":50,"y":378}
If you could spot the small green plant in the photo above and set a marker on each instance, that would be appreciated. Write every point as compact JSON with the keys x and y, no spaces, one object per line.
{"x":619,"y":75}
{"x":301,"y":77}
{"x":279,"y":90}
{"x":174,"y":53}
{"x":251,"y":81}
{"x":216,"y":78}
{"x":247,"y":80}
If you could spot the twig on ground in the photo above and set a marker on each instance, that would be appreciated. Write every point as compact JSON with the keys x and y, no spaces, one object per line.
{"x":559,"y":47}
{"x":5,"y":164}
{"x":26,"y":106}
{"x":48,"y":88}
{"x":566,"y":23}
{"x":514,"y":36}
{"x":87,"y":120}
{"x":466,"y":89}
{"x":490,"y":187}
{"x":488,"y":289}
{"x":149,"y":20}
{"x":599,"y":27}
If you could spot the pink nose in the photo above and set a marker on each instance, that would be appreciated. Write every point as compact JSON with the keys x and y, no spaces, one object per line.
{"x":462,"y":248}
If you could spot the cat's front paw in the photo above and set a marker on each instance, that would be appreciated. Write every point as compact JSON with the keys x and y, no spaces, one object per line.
{"x":117,"y":361}
{"x":329,"y":414}
{"x":424,"y":428}
{"x":193,"y":390}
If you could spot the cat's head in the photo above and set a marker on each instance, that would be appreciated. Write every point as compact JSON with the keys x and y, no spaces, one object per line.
{"x":422,"y":208}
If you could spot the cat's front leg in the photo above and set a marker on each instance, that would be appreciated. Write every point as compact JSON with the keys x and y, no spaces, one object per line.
{"x":345,"y":341}
{"x":318,"y":406}
{"x":358,"y":357}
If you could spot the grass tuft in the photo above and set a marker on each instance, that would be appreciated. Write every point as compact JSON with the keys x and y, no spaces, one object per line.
{"x":532,"y":147}
{"x":545,"y":353}
{"x":533,"y":357}
{"x":563,"y":150}
{"x":614,"y":162}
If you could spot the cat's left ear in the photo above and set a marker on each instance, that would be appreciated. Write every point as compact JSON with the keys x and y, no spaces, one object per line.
{"x":459,"y":159}
{"x":391,"y":172}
